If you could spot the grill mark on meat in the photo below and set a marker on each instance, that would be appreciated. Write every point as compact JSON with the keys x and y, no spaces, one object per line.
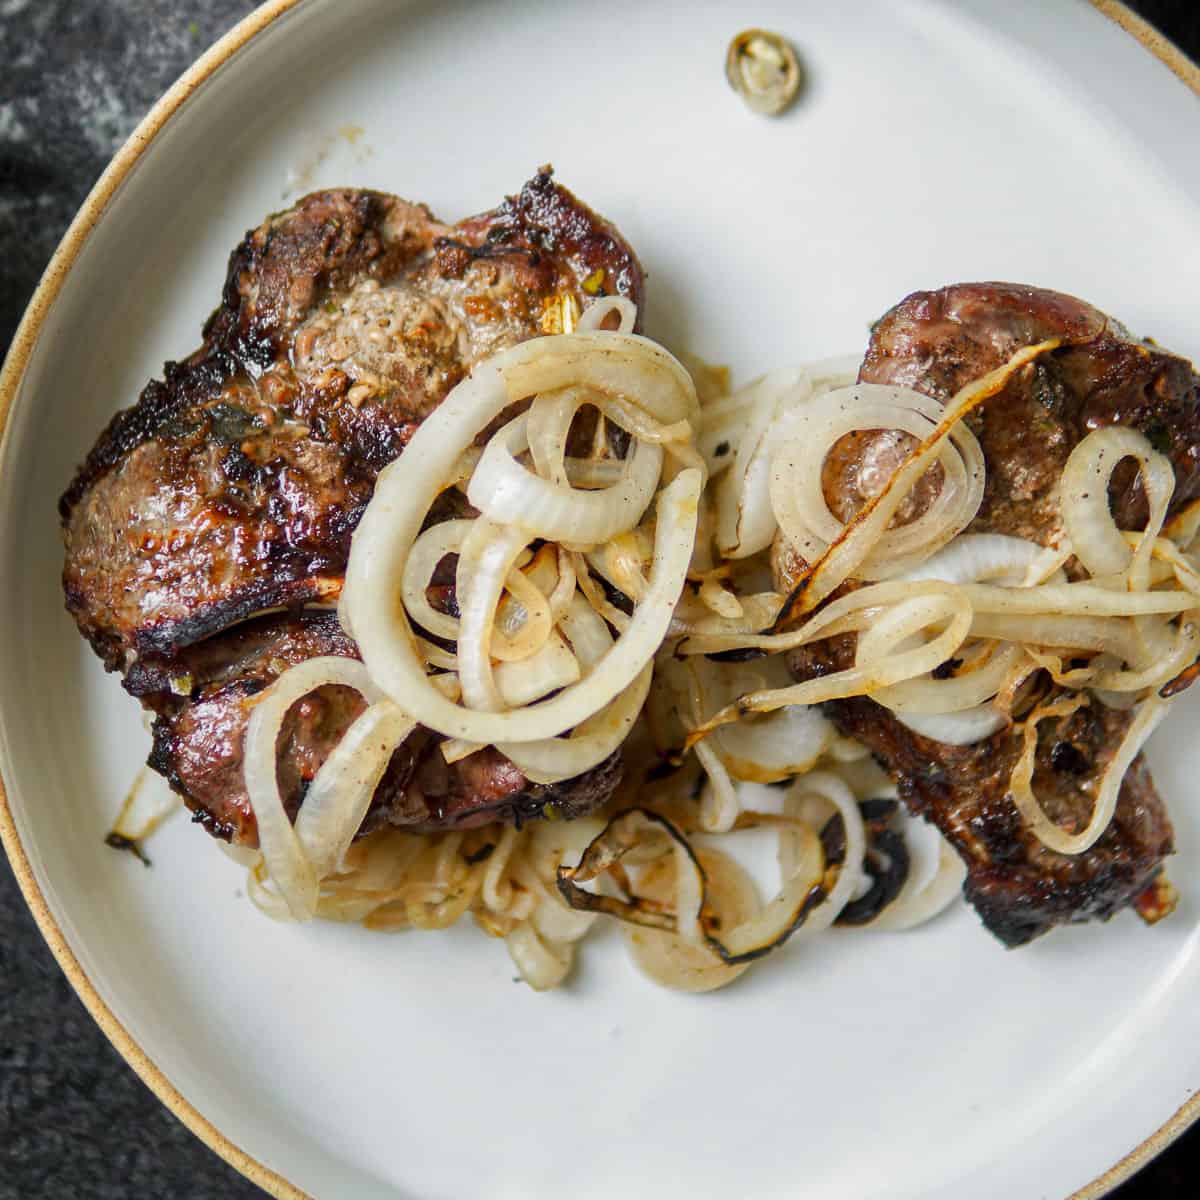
{"x":936,"y":342}
{"x":344,"y":323}
{"x":198,"y":740}
{"x":232,"y":488}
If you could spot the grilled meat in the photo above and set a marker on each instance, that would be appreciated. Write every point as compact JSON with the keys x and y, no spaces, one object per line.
{"x":201,"y":715}
{"x":232,"y":488}
{"x":936,"y":342}
{"x":234,"y":484}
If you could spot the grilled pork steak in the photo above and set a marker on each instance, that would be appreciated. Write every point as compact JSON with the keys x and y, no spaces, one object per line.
{"x":936,"y":342}
{"x":233,"y":486}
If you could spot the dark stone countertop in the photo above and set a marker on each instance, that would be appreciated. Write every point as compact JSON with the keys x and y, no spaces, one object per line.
{"x":75,"y":77}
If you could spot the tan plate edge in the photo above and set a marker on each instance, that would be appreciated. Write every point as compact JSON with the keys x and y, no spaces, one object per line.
{"x":51,"y":284}
{"x":10,"y":377}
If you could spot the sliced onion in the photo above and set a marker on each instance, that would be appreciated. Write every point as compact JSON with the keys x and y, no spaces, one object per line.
{"x":975,"y":682}
{"x":548,"y":425}
{"x":147,"y":804}
{"x":1183,"y":526}
{"x":396,"y":666}
{"x":807,"y":436}
{"x":856,"y":541}
{"x":975,"y":557}
{"x":542,"y":964}
{"x":427,"y":553}
{"x":613,"y":363}
{"x":745,"y":522}
{"x":669,"y":960}
{"x":1098,"y":543}
{"x":719,"y":802}
{"x":620,"y":562}
{"x":1047,"y":831}
{"x":488,"y":554}
{"x":283,"y":855}
{"x":864,"y":678}
{"x":523,"y":620}
{"x":550,"y":667}
{"x":724,"y":418}
{"x":593,"y":472}
{"x":596,"y":313}
{"x":510,"y":494}
{"x":338,"y":799}
{"x":765,"y":748}
{"x":962,"y":728}
{"x":590,"y":743}
{"x":526,"y":600}
{"x":692,"y":918}
{"x":1066,"y":632}
{"x":917,"y":904}
{"x":834,"y":792}
{"x":1084,"y":599}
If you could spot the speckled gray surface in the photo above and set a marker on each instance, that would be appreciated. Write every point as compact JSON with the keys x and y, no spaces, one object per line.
{"x":75,"y":77}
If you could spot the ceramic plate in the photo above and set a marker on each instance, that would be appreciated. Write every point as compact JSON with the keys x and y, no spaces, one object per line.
{"x":937,"y":141}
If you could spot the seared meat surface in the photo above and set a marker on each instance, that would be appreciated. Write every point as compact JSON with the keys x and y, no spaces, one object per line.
{"x":233,"y":486}
{"x":936,"y":342}
{"x":201,"y":718}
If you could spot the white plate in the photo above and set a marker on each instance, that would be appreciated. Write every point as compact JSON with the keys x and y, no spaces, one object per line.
{"x":938,"y":141}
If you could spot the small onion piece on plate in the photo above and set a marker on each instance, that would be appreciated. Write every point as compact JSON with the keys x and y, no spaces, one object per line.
{"x":805,"y":895}
{"x":763,"y":69}
{"x":668,"y":959}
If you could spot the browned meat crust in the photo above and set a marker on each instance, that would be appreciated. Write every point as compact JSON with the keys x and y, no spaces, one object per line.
{"x":936,"y":342}
{"x":235,"y":483}
{"x":1019,"y":888}
{"x":202,"y":699}
{"x":233,"y":486}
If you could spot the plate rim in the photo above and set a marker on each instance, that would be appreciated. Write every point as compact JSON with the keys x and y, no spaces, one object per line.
{"x":12,"y":374}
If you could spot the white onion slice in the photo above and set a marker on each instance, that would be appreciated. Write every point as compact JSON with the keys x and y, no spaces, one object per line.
{"x":835,"y":792}
{"x":283,"y":855}
{"x":488,"y":554}
{"x":542,"y":964}
{"x":596,"y":313}
{"x":668,"y":959}
{"x":1048,"y":832}
{"x":976,"y":557}
{"x":1085,"y":599}
{"x":340,"y":795}
{"x":590,"y":743}
{"x":923,"y":900}
{"x":510,"y":494}
{"x":719,"y":801}
{"x":1099,"y":544}
{"x":858,"y":539}
{"x":805,"y":438}
{"x":427,"y":552}
{"x":963,"y":728}
{"x":745,"y":523}
{"x":550,"y":667}
{"x":547,"y":426}
{"x":396,"y":666}
{"x":980,"y":677}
